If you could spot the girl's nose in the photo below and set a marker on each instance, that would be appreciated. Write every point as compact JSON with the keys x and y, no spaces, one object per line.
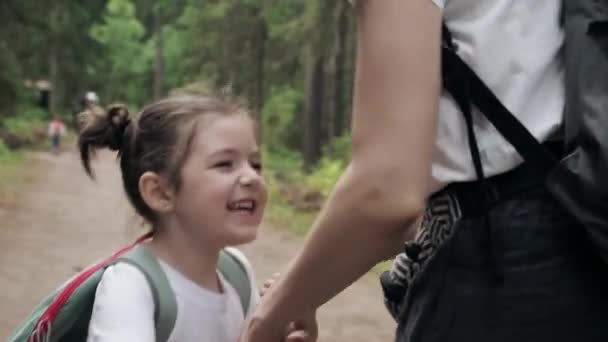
{"x":250,"y":177}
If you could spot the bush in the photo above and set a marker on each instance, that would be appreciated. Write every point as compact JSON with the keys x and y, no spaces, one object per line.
{"x":282,"y":161}
{"x":5,"y":152}
{"x":280,"y":127}
{"x":339,"y":149}
{"x":295,"y":197}
{"x":34,"y":113}
{"x":325,"y":176}
{"x":26,"y":129}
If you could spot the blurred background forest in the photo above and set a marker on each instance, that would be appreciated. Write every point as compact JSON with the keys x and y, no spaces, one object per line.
{"x":291,"y":60}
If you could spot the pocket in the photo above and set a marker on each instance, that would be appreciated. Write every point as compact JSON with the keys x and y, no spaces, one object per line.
{"x":429,"y":305}
{"x":587,"y":10}
{"x":586,"y":27}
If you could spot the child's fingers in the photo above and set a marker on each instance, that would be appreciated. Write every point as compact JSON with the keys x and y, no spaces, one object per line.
{"x":299,"y":336}
{"x":268,"y":283}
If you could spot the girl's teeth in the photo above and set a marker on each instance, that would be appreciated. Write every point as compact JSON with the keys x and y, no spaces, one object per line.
{"x":243,"y":205}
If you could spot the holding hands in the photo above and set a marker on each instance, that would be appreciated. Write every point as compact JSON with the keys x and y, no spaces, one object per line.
{"x":304,"y":329}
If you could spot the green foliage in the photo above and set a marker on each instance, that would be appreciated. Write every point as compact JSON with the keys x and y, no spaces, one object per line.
{"x":9,"y":170}
{"x":33,"y":113}
{"x":128,"y":55}
{"x":280,"y":118}
{"x":15,"y":172}
{"x":9,"y":77}
{"x":336,"y":157}
{"x":286,"y":166}
{"x":285,"y":161}
{"x":26,"y":128}
{"x":283,"y":169}
{"x":175,"y":55}
{"x":339,"y":149}
{"x":121,"y":48}
{"x":325,"y":175}
{"x":5,"y":153}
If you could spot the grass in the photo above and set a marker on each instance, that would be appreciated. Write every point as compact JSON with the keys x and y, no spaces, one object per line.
{"x":283,"y":216}
{"x":284,"y":169}
{"x":16,"y":171}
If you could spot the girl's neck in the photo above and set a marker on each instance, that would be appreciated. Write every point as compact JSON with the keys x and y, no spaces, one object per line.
{"x":195,"y":260}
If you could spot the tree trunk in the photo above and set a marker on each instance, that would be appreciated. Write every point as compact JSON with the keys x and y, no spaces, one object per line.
{"x":53,"y":77}
{"x":313,"y":110}
{"x":53,"y":57}
{"x":339,"y":71}
{"x":349,"y":56}
{"x":327,"y":103}
{"x":260,"y":57}
{"x":159,"y":58}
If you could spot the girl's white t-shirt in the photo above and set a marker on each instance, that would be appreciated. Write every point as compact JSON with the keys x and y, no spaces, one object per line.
{"x":124,"y":307}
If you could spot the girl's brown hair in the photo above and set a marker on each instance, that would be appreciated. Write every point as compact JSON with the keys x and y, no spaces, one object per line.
{"x":158,"y":140}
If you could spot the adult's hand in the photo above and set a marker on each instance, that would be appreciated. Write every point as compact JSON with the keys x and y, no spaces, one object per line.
{"x":258,"y":329}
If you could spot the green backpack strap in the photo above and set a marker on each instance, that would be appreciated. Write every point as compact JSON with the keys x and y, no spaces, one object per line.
{"x":235,"y":273}
{"x":165,"y":312}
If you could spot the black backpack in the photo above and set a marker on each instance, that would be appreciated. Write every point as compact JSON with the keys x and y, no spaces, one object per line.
{"x":576,"y":181}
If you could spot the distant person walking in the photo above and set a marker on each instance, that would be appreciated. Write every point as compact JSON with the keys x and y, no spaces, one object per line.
{"x":56,"y":131}
{"x":89,"y":102}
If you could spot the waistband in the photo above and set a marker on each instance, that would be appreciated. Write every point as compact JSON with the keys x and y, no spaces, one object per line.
{"x":475,"y":198}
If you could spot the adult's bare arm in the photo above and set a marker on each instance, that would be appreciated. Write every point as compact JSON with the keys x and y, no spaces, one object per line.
{"x":383,"y":190}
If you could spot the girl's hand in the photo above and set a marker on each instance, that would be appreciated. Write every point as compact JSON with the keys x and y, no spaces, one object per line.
{"x":303,"y":330}
{"x":300,"y":336}
{"x":268,"y":283}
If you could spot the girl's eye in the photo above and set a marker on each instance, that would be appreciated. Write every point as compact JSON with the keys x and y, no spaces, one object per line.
{"x":257,"y":166}
{"x":224,"y":164}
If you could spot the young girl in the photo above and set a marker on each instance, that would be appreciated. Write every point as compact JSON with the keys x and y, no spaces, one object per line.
{"x":56,"y":131}
{"x":191,"y":167}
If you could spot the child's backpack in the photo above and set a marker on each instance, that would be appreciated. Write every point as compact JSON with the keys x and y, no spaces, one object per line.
{"x":579,"y":181}
{"x":65,"y":315}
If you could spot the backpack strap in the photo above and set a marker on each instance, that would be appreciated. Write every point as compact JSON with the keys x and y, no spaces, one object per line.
{"x":165,"y":305}
{"x":234,"y":271}
{"x":165,"y":312}
{"x":458,"y":76}
{"x":468,"y":90}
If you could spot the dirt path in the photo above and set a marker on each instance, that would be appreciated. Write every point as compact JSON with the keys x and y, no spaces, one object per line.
{"x":65,"y":222}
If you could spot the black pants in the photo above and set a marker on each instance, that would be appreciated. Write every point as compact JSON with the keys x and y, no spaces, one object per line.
{"x":519,"y":271}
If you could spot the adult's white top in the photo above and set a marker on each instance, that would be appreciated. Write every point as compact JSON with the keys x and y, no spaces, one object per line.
{"x":514,"y":46}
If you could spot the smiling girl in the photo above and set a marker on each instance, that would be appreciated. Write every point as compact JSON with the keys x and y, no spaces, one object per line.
{"x":191,"y":168}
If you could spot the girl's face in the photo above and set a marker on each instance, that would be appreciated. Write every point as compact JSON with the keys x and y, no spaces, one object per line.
{"x":222,"y":195}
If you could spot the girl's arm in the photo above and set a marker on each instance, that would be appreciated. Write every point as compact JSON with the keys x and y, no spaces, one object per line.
{"x":369,"y":214}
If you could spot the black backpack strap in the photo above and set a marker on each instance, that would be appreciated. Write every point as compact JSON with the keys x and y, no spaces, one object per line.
{"x":467,"y":88}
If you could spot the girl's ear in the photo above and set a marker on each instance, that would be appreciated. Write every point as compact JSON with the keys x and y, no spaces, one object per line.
{"x":156,"y":192}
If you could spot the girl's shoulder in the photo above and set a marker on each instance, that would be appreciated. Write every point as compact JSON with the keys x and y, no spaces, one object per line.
{"x":123,"y":277}
{"x":124,"y":305}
